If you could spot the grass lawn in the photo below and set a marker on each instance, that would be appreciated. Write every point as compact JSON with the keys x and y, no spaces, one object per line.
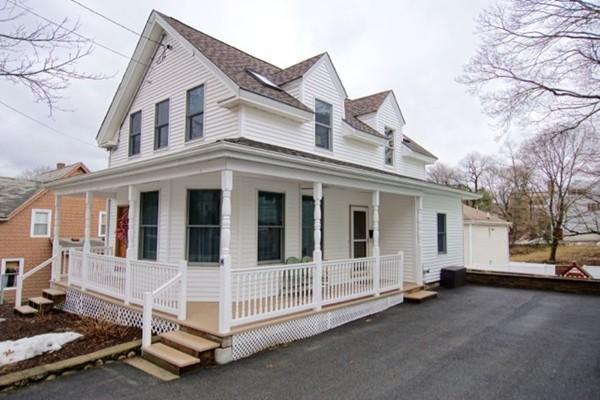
{"x":582,"y":254}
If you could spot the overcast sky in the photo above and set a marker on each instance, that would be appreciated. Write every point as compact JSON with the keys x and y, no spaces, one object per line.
{"x":416,"y":48}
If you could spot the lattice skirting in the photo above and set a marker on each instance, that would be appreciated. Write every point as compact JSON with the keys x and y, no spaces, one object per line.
{"x":88,"y":305}
{"x":249,"y":342}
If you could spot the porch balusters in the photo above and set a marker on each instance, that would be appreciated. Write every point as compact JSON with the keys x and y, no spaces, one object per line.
{"x":225,"y":270}
{"x":56,"y":250}
{"x":377,"y":268}
{"x":317,"y":252}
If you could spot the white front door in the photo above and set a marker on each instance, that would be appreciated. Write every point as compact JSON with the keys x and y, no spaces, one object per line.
{"x":359,"y":231}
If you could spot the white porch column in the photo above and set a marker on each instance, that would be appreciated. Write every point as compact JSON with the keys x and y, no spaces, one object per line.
{"x":317,"y":252}
{"x":419,"y":241}
{"x":107,"y":211}
{"x":377,"y":269}
{"x":225,"y":270}
{"x":56,"y":250}
{"x":89,"y":202}
{"x":130,"y":255}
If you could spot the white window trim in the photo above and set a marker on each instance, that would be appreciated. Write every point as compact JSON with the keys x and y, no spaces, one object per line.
{"x":100,"y":214}
{"x":3,"y":268}
{"x":330,"y":148}
{"x":31,"y":229}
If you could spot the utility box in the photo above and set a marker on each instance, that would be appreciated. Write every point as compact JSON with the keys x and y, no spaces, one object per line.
{"x":453,"y":277}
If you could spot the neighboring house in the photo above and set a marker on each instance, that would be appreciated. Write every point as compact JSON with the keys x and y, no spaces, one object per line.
{"x":227,"y":171}
{"x":485,"y":239}
{"x":26,"y":224}
{"x":583,"y":219}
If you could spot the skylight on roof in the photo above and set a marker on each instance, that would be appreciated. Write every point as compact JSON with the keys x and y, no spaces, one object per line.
{"x":263,"y":79}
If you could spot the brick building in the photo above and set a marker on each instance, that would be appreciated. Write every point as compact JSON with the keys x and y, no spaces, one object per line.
{"x":26,"y":223}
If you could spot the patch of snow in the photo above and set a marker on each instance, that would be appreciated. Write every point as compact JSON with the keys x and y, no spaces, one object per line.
{"x":2,"y":319}
{"x":12,"y":351}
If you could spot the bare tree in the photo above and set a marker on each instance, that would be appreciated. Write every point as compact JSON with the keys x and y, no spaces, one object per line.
{"x":539,"y":61}
{"x":559,"y":161}
{"x":32,"y":173}
{"x":40,"y":56}
{"x":444,"y":175}
{"x":474,"y":166}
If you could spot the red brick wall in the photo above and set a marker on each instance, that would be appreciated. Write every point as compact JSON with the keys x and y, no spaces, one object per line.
{"x":15,"y":240}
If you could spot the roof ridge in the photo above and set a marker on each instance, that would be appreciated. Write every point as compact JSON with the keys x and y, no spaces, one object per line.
{"x":222,"y":42}
{"x":303,"y":61}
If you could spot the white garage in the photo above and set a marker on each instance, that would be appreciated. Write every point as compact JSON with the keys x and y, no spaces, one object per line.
{"x":485,"y":239}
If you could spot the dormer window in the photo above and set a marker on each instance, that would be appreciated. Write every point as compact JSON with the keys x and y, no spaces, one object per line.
{"x":389,"y":146}
{"x":323,"y":123}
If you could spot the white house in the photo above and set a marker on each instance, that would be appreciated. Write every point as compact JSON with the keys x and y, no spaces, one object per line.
{"x":240,"y":193}
{"x":485,"y":239}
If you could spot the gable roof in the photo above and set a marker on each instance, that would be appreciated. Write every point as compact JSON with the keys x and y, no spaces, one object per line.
{"x":474,"y":215}
{"x":296,"y":71}
{"x":368,"y":104}
{"x":14,"y":192}
{"x":235,"y":63}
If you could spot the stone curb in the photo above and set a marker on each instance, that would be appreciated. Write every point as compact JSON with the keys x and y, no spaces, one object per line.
{"x":68,"y":366}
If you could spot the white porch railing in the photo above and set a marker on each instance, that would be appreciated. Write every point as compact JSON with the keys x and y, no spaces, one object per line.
{"x":133,"y":281}
{"x":21,"y":278}
{"x":267,"y":292}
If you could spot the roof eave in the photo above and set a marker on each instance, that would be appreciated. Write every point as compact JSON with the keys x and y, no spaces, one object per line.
{"x":256,"y":100}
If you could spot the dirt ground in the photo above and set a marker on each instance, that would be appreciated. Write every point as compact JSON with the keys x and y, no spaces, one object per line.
{"x":96,"y":334}
{"x":582,"y":254}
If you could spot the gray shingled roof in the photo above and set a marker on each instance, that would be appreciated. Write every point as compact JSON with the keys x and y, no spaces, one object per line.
{"x":296,"y":71}
{"x":416,"y":147}
{"x":474,"y":215}
{"x":16,"y":191}
{"x":235,"y":63}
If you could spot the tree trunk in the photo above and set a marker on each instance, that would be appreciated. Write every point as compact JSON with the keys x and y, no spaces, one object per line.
{"x":554,"y":247}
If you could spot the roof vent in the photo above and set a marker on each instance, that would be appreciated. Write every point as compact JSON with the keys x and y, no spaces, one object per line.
{"x":263,"y":79}
{"x":405,"y":140}
{"x":60,"y":165}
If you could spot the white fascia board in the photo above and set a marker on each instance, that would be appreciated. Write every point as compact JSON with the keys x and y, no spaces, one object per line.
{"x":350,"y":132}
{"x":261,"y":102}
{"x":218,"y":155}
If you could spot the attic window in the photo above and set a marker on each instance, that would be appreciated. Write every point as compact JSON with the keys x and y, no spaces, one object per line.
{"x":263,"y":79}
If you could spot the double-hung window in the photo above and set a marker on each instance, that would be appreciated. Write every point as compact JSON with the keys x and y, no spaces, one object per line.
{"x":9,"y":270}
{"x":148,"y":225}
{"x":308,"y":226}
{"x":203,"y":226}
{"x":270,"y":227}
{"x":441,"y":233}
{"x":40,"y":223}
{"x":161,"y":125}
{"x":389,"y":146}
{"x":135,"y":133}
{"x":194,"y":126}
{"x":323,"y":124}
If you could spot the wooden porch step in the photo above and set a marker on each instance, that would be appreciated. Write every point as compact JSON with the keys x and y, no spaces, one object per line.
{"x":420,"y":296}
{"x":41,"y":303}
{"x":188,"y":342}
{"x":171,"y":359}
{"x":25,"y":311}
{"x":56,"y":295}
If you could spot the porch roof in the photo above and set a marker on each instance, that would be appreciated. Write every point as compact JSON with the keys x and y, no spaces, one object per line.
{"x":227,"y":151}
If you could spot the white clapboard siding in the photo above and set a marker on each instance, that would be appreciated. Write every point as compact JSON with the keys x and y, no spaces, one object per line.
{"x":397,"y":230}
{"x":170,"y":79}
{"x":318,"y":84}
{"x":414,"y":168}
{"x":432,"y":261}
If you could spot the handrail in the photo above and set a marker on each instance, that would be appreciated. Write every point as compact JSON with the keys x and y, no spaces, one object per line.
{"x":180,"y":277}
{"x":21,"y":278}
{"x":277,"y":267}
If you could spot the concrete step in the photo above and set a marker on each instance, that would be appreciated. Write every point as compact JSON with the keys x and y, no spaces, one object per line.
{"x":420,"y":296}
{"x":56,"y":295}
{"x":173,"y":360}
{"x":26,"y":311}
{"x":188,"y":342}
{"x":41,"y":304}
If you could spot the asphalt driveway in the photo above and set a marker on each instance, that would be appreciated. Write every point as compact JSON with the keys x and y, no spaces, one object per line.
{"x":472,"y":343}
